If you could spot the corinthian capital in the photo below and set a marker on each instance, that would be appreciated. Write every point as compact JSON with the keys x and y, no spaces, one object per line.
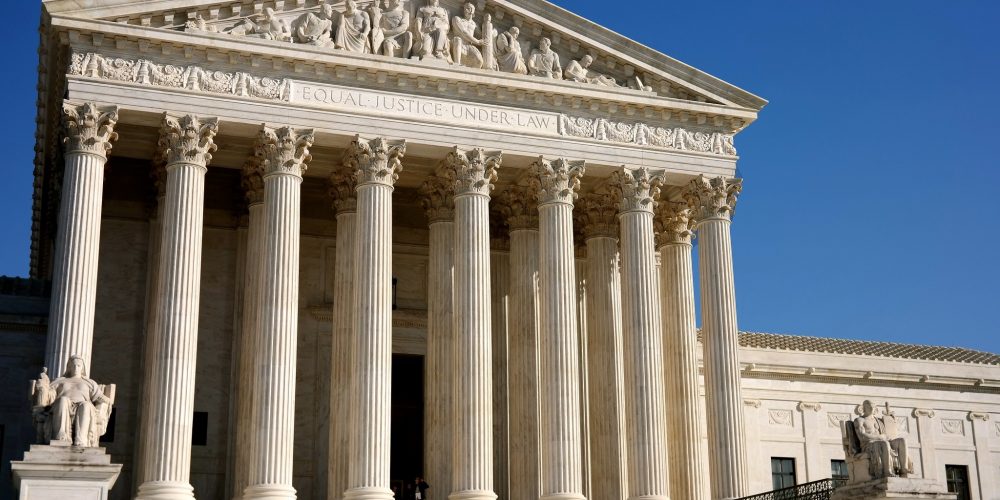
{"x":343,"y":188}
{"x":253,"y":181}
{"x":284,"y":150}
{"x":556,"y":180}
{"x":713,"y":198}
{"x":437,"y":195}
{"x":187,"y":139}
{"x":474,"y":170}
{"x":89,"y":128}
{"x":518,"y":205}
{"x":597,"y":215}
{"x":673,"y":223}
{"x":376,"y":161}
{"x":636,"y":189}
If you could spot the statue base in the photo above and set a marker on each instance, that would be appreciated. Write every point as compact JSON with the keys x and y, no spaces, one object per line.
{"x":894,"y":488}
{"x":62,"y":472}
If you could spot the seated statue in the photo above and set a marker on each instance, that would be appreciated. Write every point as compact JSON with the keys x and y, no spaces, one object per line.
{"x":465,"y":42}
{"x":579,"y":71}
{"x":879,"y":437}
{"x":544,"y":62}
{"x":270,"y":27}
{"x":355,"y":25}
{"x":432,"y":29}
{"x":391,"y":34}
{"x":315,"y":29}
{"x":72,"y":409}
{"x":508,"y":52}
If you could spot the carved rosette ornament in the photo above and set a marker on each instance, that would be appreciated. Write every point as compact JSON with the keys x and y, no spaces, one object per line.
{"x":376,"y":161}
{"x":518,"y":205}
{"x":343,"y":188}
{"x":437,"y":195}
{"x":713,"y":198}
{"x":89,"y":128}
{"x":284,"y":150}
{"x":187,"y":139}
{"x":637,"y":189}
{"x":557,"y":180}
{"x":474,"y":170}
{"x":597,"y":215}
{"x":673,"y":223}
{"x":253,"y":181}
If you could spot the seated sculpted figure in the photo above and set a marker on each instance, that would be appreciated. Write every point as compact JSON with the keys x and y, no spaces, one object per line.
{"x":508,"y":52}
{"x":432,"y":31}
{"x":544,"y":62}
{"x":579,"y":71}
{"x":355,"y":25}
{"x":315,"y":29}
{"x":270,"y":27}
{"x":391,"y":34}
{"x":880,"y":438}
{"x":72,"y":408}
{"x":465,"y":43}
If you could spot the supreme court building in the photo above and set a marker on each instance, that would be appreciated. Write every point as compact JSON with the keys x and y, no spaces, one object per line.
{"x":323,"y":249}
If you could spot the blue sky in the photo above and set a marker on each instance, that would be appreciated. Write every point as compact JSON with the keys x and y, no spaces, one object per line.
{"x":869,"y":205}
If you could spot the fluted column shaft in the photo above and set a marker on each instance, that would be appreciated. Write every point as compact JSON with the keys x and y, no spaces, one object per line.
{"x":559,"y":367}
{"x":376,"y":164}
{"x":284,"y":152}
{"x":685,"y":413}
{"x":713,"y":201}
{"x":472,"y":352}
{"x":344,"y":194}
{"x":607,"y":370}
{"x":643,"y":339}
{"x":186,"y":143}
{"x":499,"y":286}
{"x":74,"y":275}
{"x":439,"y":421}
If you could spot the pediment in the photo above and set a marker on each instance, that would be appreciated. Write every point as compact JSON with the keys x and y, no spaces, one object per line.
{"x":618,"y":63}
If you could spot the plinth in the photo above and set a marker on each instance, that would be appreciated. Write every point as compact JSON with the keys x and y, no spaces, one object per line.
{"x":54,"y":472}
{"x":894,"y":488}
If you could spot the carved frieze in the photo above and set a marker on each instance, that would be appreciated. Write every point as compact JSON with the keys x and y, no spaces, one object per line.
{"x":603,"y":129}
{"x":835,"y":419}
{"x":780,"y":418}
{"x":953,"y":426}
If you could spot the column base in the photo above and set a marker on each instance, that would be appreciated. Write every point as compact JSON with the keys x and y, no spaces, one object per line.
{"x":563,"y":496}
{"x":651,"y":497}
{"x":894,"y":488}
{"x":165,"y":490}
{"x":368,"y":493}
{"x":473,"y":495}
{"x":269,"y":492}
{"x":66,"y":472}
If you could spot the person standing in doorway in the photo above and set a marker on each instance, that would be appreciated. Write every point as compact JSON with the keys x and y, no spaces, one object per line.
{"x":420,"y":488}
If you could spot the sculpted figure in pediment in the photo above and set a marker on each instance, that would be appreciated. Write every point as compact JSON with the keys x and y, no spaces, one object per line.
{"x":270,"y":27}
{"x":391,"y":34}
{"x":544,"y":62}
{"x":352,"y":33}
{"x":432,"y":31}
{"x":508,"y":52}
{"x":315,"y":28}
{"x":199,"y":24}
{"x":579,"y":71}
{"x":465,"y":44}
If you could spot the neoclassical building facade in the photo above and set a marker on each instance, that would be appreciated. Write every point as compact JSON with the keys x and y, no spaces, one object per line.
{"x":323,"y":249}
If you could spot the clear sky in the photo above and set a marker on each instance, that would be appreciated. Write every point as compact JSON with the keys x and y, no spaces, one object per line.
{"x":869,"y":208}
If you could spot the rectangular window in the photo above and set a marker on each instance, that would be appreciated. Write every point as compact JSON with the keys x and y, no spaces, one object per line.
{"x":782,"y":472}
{"x":199,"y":429}
{"x":958,"y":480}
{"x":838,"y":469}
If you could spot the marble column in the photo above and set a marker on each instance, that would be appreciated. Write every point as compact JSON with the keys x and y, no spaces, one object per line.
{"x":817,"y":464}
{"x":89,"y":133}
{"x":557,"y":182}
{"x":474,"y":171}
{"x":927,"y":430}
{"x":376,"y":164}
{"x":244,"y":346}
{"x":637,"y":192}
{"x":597,"y":215}
{"x":343,"y":189}
{"x":685,"y":412}
{"x":713,"y":201}
{"x":284,"y":154}
{"x":438,"y":199}
{"x":186,"y":144}
{"x":500,"y":284}
{"x":518,"y":205}
{"x":581,"y":327}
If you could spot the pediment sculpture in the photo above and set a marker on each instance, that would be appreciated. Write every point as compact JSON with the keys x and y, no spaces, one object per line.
{"x":72,"y":409}
{"x":874,"y":445}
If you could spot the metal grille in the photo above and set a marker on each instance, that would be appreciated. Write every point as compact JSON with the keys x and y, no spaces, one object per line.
{"x":816,"y":490}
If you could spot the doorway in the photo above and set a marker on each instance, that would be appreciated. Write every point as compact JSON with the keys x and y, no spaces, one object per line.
{"x":407,"y":441}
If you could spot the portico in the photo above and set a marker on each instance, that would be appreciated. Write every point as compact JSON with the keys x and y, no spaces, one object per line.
{"x":332,"y":174}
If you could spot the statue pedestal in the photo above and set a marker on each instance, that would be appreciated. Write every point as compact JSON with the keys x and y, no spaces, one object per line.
{"x":894,"y":488}
{"x":62,"y":472}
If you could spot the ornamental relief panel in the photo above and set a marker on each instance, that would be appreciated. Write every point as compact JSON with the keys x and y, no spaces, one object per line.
{"x":835,"y":419}
{"x":996,"y":429}
{"x":780,"y":418}
{"x":953,"y":427}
